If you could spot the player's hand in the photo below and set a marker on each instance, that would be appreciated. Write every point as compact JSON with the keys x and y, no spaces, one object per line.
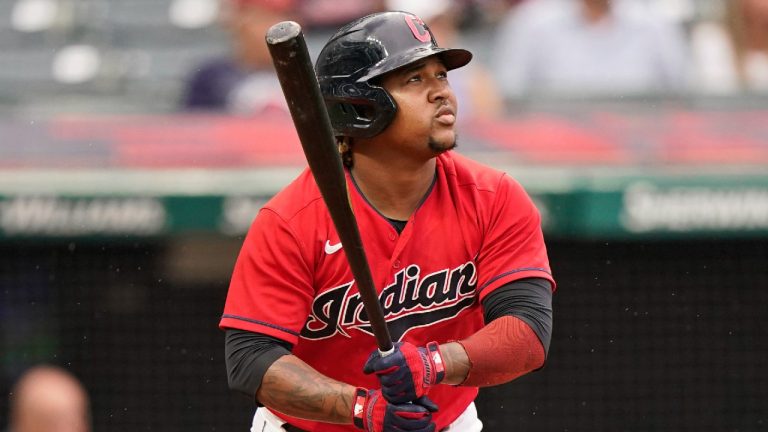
{"x":372,"y":413}
{"x":408,"y":372}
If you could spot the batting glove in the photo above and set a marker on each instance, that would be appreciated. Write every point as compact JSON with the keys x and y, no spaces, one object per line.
{"x":372,"y":413}
{"x":408,"y":372}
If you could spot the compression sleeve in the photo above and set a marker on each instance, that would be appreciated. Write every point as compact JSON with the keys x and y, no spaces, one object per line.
{"x":516,"y":336}
{"x":502,"y":351}
{"x":248,"y":355}
{"x":527,"y":299}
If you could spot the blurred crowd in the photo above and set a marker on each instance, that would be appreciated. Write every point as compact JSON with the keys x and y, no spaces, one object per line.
{"x":617,"y":48}
{"x":524,"y":48}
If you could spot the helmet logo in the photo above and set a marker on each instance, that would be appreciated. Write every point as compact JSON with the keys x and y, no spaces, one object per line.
{"x":418,"y":28}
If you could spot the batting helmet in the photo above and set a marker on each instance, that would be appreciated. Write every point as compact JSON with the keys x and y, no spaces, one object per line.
{"x":364,"y":50}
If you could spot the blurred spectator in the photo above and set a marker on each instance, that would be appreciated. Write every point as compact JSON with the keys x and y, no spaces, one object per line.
{"x":473,"y":84}
{"x":49,"y":399}
{"x":732,"y":55}
{"x":244,"y":82}
{"x":588,"y":48}
{"x":492,"y":12}
{"x":681,"y":12}
{"x":330,"y":14}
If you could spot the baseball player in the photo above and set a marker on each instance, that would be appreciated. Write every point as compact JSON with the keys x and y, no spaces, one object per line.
{"x":455,"y":249}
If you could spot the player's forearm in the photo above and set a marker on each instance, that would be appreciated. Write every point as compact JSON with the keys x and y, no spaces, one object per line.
{"x":296,"y":389}
{"x":456,"y":363}
{"x":499,"y":352}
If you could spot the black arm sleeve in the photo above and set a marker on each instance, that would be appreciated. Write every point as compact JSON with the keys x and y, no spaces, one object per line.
{"x":248,"y":355}
{"x":528,"y":299}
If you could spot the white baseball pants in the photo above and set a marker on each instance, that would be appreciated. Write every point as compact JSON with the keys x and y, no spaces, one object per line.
{"x":265,"y":421}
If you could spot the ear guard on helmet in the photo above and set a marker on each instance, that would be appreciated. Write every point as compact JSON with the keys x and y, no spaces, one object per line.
{"x":356,"y":108}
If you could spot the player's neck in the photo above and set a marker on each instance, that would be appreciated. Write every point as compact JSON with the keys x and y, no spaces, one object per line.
{"x":395,"y":191}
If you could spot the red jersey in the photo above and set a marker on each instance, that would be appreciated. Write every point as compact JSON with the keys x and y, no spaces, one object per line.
{"x":475,"y":231}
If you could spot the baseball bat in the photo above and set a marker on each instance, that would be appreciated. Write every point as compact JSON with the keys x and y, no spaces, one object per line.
{"x":310,"y":117}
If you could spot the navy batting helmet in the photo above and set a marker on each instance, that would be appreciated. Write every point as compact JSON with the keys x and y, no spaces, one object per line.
{"x":364,"y":50}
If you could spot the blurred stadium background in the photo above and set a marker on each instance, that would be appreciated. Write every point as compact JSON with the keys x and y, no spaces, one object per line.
{"x":121,"y":217}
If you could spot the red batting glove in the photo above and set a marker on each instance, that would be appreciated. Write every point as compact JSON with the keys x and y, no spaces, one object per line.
{"x":372,"y":413}
{"x":408,"y":372}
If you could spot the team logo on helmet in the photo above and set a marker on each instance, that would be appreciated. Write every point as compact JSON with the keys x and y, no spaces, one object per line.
{"x":418,"y":28}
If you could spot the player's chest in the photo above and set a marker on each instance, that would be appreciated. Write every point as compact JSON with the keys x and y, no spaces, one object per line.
{"x":422,"y":279}
{"x":426,"y":248}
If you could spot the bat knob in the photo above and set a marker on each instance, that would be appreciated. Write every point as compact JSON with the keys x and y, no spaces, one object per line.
{"x":283,"y":32}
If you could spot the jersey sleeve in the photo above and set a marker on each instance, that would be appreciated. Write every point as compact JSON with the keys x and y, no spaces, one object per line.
{"x":271,"y":287}
{"x":513,"y":245}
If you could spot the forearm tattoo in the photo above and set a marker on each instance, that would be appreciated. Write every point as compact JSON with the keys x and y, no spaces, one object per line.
{"x":292,"y":387}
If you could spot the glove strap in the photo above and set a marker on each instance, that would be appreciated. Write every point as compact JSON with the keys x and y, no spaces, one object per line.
{"x":358,"y":407}
{"x":433,"y":350}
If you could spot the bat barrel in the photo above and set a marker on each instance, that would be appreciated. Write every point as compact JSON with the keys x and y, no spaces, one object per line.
{"x":310,"y":116}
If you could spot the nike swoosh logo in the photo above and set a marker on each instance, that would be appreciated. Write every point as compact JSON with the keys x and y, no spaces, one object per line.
{"x":332,"y":249}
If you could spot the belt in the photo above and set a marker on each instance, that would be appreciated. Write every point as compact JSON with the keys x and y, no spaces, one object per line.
{"x":292,"y":428}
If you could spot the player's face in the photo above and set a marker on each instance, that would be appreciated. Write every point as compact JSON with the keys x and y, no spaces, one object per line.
{"x":426,"y":107}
